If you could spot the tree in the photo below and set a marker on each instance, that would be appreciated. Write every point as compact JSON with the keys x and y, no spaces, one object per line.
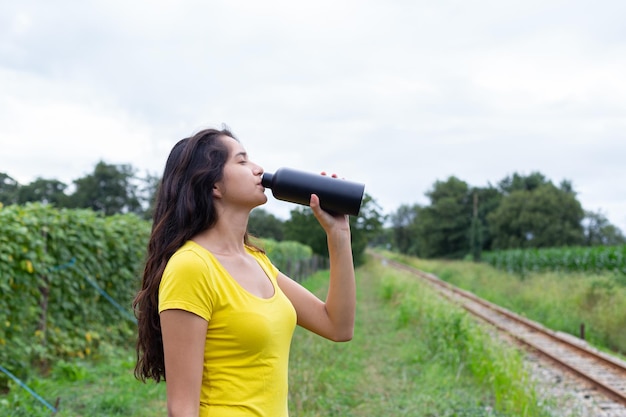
{"x":366,"y":227}
{"x":487,"y":200}
{"x":8,"y":189}
{"x":265,"y":225}
{"x":47,"y":191}
{"x":476,"y":231}
{"x":518,"y":182}
{"x":303,"y":227}
{"x":404,"y":236}
{"x":443,"y":227}
{"x":110,"y":189}
{"x":147,"y":193}
{"x":545,"y":216}
{"x":599,"y":231}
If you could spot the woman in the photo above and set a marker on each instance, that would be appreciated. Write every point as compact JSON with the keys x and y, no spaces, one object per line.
{"x":215,"y":316}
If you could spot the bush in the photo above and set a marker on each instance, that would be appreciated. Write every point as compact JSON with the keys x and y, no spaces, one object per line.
{"x":50,"y":261}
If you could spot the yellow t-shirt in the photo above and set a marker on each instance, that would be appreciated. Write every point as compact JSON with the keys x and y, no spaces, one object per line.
{"x":246,"y":353}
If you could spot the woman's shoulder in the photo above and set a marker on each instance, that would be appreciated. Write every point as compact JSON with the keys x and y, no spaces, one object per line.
{"x":190,"y":256}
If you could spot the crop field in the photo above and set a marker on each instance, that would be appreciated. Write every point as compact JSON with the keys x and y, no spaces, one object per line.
{"x":569,"y":259}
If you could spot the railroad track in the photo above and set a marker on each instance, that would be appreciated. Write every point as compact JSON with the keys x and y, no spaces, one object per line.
{"x":605,"y":373}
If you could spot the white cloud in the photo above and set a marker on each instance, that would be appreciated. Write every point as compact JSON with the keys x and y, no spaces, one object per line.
{"x":396,"y":94}
{"x":54,"y":130}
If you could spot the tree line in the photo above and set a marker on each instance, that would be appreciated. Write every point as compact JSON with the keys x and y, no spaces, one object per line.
{"x":109,"y":189}
{"x":520,"y":211}
{"x":118,"y":189}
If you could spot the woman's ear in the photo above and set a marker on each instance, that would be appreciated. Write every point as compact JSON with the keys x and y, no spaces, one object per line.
{"x":217,"y":192}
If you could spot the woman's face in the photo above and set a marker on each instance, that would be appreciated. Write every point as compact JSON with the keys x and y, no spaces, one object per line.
{"x":241,"y":183}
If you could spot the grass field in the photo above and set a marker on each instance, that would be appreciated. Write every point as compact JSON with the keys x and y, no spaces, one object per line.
{"x":102,"y":388}
{"x":412,"y":355}
{"x":559,"y":300}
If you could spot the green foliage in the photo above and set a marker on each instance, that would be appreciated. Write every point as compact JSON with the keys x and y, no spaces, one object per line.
{"x":282,"y":252}
{"x":44,"y":191}
{"x":559,"y":300}
{"x":109,"y":189}
{"x":286,"y":252}
{"x":443,"y":227}
{"x":517,"y":182}
{"x":404,"y":236}
{"x":598,"y":231}
{"x":294,"y":259}
{"x":303,"y":227}
{"x":565,"y":259}
{"x":413,"y":354}
{"x":48,"y":310}
{"x":453,"y":225}
{"x":103,"y":387}
{"x":8,"y":189}
{"x":458,"y":342}
{"x":69,"y":371}
{"x":543,"y":217}
{"x":266,"y":225}
{"x":521,"y":212}
{"x":366,"y":228}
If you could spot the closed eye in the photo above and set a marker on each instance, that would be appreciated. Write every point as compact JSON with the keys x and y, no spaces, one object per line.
{"x":242,"y":157}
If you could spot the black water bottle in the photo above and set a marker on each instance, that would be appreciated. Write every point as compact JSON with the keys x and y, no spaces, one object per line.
{"x":336,"y":196}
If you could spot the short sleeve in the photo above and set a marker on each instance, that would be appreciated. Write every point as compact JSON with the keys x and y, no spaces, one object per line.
{"x":185,"y":285}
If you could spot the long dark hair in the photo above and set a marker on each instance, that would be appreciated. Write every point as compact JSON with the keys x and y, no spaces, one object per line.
{"x":184,"y":207}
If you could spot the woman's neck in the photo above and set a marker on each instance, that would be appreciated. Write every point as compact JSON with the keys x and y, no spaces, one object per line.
{"x":226,"y":237}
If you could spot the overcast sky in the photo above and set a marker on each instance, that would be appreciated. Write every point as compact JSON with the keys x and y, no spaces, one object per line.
{"x":396,"y":94}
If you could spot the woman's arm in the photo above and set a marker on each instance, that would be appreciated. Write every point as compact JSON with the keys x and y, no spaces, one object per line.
{"x":334,"y":318}
{"x":184,"y":336}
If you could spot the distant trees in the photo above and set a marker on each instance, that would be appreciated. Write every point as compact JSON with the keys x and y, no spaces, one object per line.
{"x":8,"y":189}
{"x":520,"y":212}
{"x":546,"y":216}
{"x":109,"y":189}
{"x":597,"y":230}
{"x":366,"y":227}
{"x":45,"y":191}
{"x":266,"y":225}
{"x":404,"y":228}
{"x":444,"y":226}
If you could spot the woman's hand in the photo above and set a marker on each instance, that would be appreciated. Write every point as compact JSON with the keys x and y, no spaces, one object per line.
{"x":329,"y":222}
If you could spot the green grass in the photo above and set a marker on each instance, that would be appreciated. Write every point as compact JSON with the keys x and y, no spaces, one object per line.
{"x":103,"y":388}
{"x":413,"y":354}
{"x":559,"y":300}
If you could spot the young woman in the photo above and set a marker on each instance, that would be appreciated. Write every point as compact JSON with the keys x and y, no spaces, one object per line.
{"x":215,"y":316}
